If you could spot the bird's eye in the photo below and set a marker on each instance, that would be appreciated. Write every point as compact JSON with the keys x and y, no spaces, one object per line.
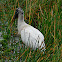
{"x":22,"y":13}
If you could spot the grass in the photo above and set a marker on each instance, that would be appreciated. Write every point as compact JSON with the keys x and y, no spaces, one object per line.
{"x":44,"y":15}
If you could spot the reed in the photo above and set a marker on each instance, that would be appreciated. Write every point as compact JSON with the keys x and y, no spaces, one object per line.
{"x":44,"y":15}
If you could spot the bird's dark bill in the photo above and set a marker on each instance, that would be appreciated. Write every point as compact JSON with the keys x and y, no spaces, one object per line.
{"x":16,"y":14}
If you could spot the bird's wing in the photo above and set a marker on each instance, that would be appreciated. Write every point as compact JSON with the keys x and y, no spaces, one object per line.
{"x":32,"y":37}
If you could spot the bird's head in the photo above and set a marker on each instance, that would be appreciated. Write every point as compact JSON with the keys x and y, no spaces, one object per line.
{"x":18,"y":13}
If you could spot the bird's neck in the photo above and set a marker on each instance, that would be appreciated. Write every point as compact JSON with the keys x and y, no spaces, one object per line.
{"x":21,"y":17}
{"x":21,"y":23}
{"x":20,"y":20}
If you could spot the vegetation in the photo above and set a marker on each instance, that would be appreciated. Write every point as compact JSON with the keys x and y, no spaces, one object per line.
{"x":44,"y":15}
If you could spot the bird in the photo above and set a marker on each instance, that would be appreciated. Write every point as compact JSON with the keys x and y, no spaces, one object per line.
{"x":30,"y":36}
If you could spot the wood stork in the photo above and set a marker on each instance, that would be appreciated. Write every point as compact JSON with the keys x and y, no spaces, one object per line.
{"x":30,"y":36}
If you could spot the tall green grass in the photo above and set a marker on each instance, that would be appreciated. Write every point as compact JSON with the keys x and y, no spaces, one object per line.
{"x":44,"y":15}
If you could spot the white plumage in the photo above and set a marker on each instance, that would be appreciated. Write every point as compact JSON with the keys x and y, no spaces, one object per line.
{"x":30,"y":36}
